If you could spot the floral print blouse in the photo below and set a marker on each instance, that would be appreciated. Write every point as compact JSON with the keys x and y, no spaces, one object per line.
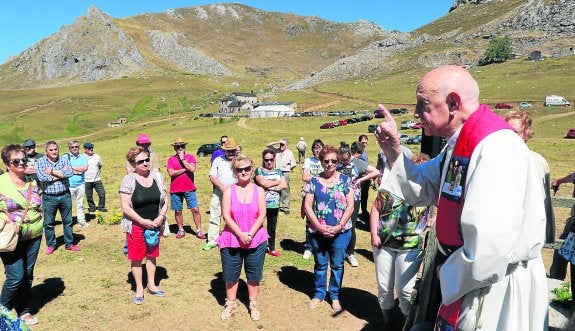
{"x":329,"y":203}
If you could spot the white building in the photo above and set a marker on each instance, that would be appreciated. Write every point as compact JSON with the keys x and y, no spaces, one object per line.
{"x":271,"y":111}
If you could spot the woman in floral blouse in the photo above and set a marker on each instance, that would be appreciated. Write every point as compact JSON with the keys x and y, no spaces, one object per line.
{"x":328,"y":206}
{"x":395,"y":227}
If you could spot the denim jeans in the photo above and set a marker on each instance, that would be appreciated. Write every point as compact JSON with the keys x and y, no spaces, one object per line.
{"x":99,"y":187}
{"x":51,"y":204}
{"x":350,"y":250}
{"x":251,"y":258}
{"x":19,"y":271}
{"x":330,"y":250}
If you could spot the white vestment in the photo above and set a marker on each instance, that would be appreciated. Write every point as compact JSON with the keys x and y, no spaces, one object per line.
{"x":502,"y":226}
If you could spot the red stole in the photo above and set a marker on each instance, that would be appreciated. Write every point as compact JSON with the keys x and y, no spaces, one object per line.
{"x":478,"y":126}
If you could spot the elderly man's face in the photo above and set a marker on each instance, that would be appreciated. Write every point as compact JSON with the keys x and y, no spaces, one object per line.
{"x":432,"y":111}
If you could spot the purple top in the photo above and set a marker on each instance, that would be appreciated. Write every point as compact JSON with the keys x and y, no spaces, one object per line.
{"x":244,"y":214}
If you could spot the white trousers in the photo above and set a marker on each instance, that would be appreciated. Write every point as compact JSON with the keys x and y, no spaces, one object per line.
{"x":396,"y":268}
{"x":215,"y":216}
{"x":78,"y":194}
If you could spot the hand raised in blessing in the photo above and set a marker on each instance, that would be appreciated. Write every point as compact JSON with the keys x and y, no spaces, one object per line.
{"x":387,"y":137}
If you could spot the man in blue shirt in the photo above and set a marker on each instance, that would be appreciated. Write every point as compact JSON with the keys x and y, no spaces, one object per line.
{"x":79,"y":163}
{"x":53,"y":172}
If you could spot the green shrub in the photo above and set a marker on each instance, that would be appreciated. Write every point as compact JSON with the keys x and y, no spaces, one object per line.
{"x":111,"y":218}
{"x":563,"y":293}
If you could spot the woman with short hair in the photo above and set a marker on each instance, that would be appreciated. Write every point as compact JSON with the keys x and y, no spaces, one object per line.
{"x":244,"y":239}
{"x":143,"y":200}
{"x":20,"y":203}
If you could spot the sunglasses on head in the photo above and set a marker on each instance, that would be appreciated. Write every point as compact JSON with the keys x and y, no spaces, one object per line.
{"x":328,"y":161}
{"x":147,"y":160}
{"x":244,"y":169}
{"x":18,"y":161}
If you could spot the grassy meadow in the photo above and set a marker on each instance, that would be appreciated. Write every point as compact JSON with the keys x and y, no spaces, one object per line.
{"x":92,"y":289}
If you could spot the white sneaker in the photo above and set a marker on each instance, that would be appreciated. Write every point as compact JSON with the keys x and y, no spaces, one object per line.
{"x":84,"y":224}
{"x":352,"y":260}
{"x":306,"y":254}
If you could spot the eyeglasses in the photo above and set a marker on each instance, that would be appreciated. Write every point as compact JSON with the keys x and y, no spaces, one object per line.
{"x":244,"y":169}
{"x":269,"y":160}
{"x":282,"y":145}
{"x":75,"y":147}
{"x":328,"y":161}
{"x":31,"y":147}
{"x":18,"y":161}
{"x":231,"y":152}
{"x":179,"y":146}
{"x":345,"y":161}
{"x":147,"y":160}
{"x":363,"y":142}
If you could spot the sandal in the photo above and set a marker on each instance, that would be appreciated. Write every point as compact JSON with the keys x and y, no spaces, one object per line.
{"x":254,"y":312}
{"x":336,"y":306}
{"x":314,"y":303}
{"x":229,"y":310}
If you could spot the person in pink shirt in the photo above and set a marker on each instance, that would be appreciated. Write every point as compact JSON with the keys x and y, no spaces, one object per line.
{"x":181,"y":168}
{"x":244,"y":239}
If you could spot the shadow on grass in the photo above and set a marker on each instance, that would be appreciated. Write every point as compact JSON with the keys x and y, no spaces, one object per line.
{"x":218,"y":290}
{"x":77,"y":239}
{"x":161,"y":273}
{"x":42,"y":294}
{"x":296,"y":279}
{"x":365,"y":253}
{"x":292,"y":245}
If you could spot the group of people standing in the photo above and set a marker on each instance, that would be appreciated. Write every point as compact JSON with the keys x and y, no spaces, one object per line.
{"x":490,"y":235}
{"x":32,"y":190}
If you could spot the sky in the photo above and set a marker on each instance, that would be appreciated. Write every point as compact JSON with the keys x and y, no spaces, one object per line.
{"x":24,"y":23}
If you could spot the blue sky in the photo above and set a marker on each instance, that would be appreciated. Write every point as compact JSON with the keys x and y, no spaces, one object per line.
{"x":24,"y":23}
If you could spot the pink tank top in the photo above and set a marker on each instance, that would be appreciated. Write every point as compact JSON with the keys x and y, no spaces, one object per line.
{"x":244,"y":214}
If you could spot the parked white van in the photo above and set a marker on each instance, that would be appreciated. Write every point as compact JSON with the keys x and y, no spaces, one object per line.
{"x":555,"y":100}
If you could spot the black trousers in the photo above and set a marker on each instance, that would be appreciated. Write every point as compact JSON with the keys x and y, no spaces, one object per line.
{"x":99,"y":187}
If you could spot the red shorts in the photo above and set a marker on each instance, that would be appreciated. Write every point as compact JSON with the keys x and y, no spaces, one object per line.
{"x":137,"y":248}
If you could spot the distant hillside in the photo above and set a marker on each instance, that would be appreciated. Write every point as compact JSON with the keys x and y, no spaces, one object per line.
{"x":212,"y":40}
{"x":461,"y":37}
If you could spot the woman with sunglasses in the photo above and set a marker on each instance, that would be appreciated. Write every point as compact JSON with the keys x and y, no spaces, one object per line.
{"x":20,"y":203}
{"x":143,"y":200}
{"x":243,"y":240}
{"x":328,"y":207}
{"x":272,"y":181}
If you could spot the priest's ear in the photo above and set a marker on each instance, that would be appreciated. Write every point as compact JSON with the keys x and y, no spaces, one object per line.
{"x":453,"y":101}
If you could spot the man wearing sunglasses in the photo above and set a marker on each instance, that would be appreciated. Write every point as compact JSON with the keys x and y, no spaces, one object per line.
{"x":221,"y":176}
{"x":181,"y":168}
{"x":33,"y":156}
{"x":79,"y":164}
{"x":53,"y":174}
{"x":285,"y":161}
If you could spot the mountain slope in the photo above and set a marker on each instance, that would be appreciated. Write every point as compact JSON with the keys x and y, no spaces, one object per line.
{"x":220,"y":40}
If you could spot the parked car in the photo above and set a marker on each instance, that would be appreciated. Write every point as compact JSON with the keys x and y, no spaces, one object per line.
{"x":342,"y":122}
{"x":525,"y":105}
{"x":371,"y":128}
{"x":377,"y":114}
{"x":295,"y":115}
{"x":403,"y":138}
{"x":414,"y":140}
{"x":366,"y":118}
{"x":570,"y":134}
{"x":556,"y":100}
{"x":207,"y":115}
{"x":397,"y":111}
{"x":503,"y":105}
{"x":407,"y":124}
{"x":417,"y":125}
{"x":208,"y":149}
{"x":328,"y":125}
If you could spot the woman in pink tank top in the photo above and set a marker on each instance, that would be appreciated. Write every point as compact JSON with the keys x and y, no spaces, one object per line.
{"x":244,"y":239}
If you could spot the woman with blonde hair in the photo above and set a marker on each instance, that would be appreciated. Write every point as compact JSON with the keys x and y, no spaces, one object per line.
{"x":244,"y":239}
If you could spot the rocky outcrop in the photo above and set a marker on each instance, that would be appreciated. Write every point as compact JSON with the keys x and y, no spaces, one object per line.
{"x":91,"y":49}
{"x":457,"y":3}
{"x":188,"y":59}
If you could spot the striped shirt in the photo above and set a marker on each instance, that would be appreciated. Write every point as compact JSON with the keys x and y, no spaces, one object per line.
{"x":52,"y":184}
